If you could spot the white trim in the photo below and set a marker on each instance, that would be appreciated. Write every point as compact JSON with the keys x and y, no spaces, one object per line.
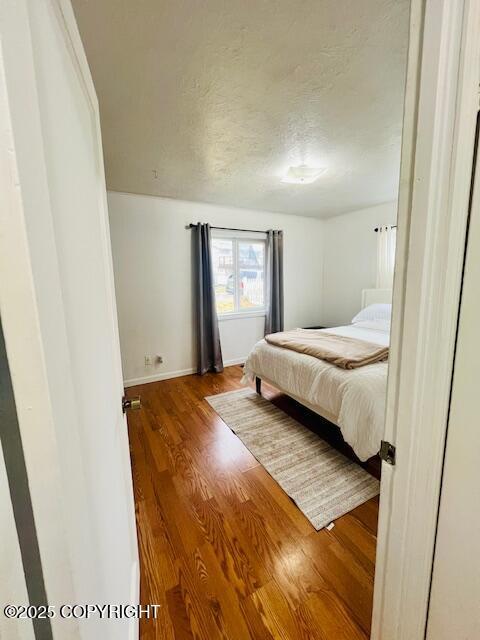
{"x":157,"y":377}
{"x":234,"y":361}
{"x":240,"y":315}
{"x":239,"y":234}
{"x":439,"y":126}
{"x":169,"y":375}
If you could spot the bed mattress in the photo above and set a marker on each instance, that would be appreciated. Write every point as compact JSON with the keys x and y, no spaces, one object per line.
{"x":353,"y":399}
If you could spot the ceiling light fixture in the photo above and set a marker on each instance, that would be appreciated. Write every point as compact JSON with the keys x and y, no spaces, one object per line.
{"x":303,"y":174}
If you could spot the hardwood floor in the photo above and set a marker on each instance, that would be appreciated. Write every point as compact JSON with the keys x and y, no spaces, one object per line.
{"x":222,"y":548}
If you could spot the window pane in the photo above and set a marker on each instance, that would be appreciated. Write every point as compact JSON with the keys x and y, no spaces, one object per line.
{"x":251,"y":266}
{"x":224,"y":280}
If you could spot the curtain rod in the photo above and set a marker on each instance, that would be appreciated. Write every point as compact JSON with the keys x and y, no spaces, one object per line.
{"x":392,"y":226}
{"x":191,"y":225}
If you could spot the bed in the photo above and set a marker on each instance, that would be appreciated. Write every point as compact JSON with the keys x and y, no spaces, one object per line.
{"x":354,"y":400}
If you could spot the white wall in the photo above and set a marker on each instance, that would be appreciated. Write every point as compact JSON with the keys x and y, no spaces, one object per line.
{"x":454,"y":606}
{"x":153,"y":279}
{"x":350,"y":260}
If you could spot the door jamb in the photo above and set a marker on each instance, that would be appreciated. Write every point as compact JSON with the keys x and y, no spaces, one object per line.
{"x":441,"y":105}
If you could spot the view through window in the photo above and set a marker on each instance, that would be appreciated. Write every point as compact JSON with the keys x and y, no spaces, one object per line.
{"x":239,"y":274}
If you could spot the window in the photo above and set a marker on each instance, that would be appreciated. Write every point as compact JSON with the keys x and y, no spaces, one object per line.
{"x":239,"y":274}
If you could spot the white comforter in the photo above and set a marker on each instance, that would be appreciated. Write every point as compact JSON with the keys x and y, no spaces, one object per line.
{"x":355,"y":397}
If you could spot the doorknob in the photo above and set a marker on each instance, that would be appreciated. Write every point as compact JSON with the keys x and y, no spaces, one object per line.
{"x":131,"y":403}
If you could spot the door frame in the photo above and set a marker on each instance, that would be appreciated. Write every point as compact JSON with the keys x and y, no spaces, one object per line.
{"x":441,"y":107}
{"x":19,"y":106}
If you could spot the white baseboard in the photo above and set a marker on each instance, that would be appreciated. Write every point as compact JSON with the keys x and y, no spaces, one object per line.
{"x":168,"y":375}
{"x":235,"y":361}
{"x":156,"y":377}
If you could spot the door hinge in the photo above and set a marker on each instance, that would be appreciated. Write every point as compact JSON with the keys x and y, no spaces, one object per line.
{"x":388,"y":452}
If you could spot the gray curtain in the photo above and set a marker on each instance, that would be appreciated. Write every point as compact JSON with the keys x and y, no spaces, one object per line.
{"x":209,"y":351}
{"x":274,"y":271}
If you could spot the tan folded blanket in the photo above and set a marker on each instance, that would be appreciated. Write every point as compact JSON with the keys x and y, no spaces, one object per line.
{"x":343,"y":352}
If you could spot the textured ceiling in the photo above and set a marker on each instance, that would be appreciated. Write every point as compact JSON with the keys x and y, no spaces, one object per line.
{"x":212,"y":100}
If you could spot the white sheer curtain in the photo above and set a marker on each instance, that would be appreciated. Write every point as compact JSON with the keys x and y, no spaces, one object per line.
{"x":386,"y":243}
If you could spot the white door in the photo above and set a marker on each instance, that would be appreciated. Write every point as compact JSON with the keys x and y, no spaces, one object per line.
{"x":455,"y":595}
{"x":57,"y":305}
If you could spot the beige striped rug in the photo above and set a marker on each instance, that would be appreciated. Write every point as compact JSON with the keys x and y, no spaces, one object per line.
{"x":321,"y":481}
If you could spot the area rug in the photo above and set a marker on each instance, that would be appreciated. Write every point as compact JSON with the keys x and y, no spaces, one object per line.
{"x":321,"y":481}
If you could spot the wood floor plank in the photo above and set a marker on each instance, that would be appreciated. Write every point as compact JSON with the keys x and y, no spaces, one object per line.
{"x":355,"y":536}
{"x":276,"y":614}
{"x":345,"y":575}
{"x":235,"y":625}
{"x":222,"y":548}
{"x":232,"y":557}
{"x":333,"y":618}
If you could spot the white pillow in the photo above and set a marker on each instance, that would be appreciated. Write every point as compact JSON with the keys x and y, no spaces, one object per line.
{"x":374,"y":312}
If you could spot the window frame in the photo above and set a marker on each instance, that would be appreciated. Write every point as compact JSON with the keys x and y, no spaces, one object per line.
{"x":248,"y":312}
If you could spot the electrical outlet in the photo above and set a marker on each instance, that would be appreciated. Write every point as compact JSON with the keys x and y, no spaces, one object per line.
{"x":148,"y":361}
{"x":160,"y":359}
